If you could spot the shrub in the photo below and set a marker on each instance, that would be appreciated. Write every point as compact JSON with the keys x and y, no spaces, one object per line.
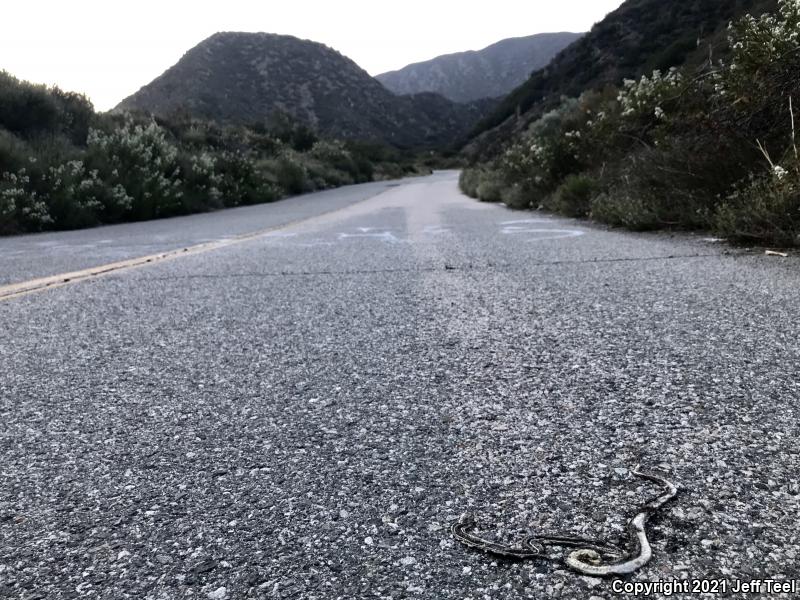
{"x":764,"y":62}
{"x":298,"y":136}
{"x":263,"y":144}
{"x":334,"y":154}
{"x":365,"y":169}
{"x":291,"y":174}
{"x":574,"y":196}
{"x":548,"y":152}
{"x":242,"y":181}
{"x":141,"y":160}
{"x":31,"y":111}
{"x":27,"y":109}
{"x":516,"y":197}
{"x":641,"y":102}
{"x":388,"y":171}
{"x":76,"y":115}
{"x":468,"y":181}
{"x":490,"y":187}
{"x":765,"y":210}
{"x":202,"y":181}
{"x":75,"y":197}
{"x":648,"y":192}
{"x":14,"y":153}
{"x":323,"y":175}
{"x":21,"y":207}
{"x":620,"y":207}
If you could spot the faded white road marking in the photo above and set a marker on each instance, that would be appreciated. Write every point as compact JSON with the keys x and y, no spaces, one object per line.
{"x":435,"y":230}
{"x":541,"y":235}
{"x":282,"y":234}
{"x":526,"y":221}
{"x":385,"y":236}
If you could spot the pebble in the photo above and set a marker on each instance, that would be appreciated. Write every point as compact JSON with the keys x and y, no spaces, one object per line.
{"x":218,"y":594}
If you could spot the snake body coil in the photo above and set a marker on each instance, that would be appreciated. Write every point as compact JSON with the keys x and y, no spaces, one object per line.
{"x":590,"y":557}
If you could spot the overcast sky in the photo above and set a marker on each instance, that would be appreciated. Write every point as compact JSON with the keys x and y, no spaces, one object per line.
{"x":109,"y":49}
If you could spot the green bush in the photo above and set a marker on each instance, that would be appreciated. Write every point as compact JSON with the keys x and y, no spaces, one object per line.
{"x":21,"y":206}
{"x":764,"y":211}
{"x":26,"y":109}
{"x":75,"y":196}
{"x":364,"y":168}
{"x":468,"y":181}
{"x":517,"y":197}
{"x":14,"y":153}
{"x":574,"y":196}
{"x":324,"y":175}
{"x":291,"y":175}
{"x":490,"y":187}
{"x":141,"y":160}
{"x":643,"y":194}
{"x":32,"y":111}
{"x":202,"y":181}
{"x":77,"y":115}
{"x":620,"y":207}
{"x":242,"y":182}
{"x":298,"y":136}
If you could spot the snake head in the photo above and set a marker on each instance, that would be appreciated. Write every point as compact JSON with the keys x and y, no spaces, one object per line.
{"x":467,"y":520}
{"x":587,"y":557}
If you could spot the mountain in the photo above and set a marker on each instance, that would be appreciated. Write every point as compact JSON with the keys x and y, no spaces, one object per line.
{"x":488,"y":73}
{"x":635,"y":39}
{"x":246,"y":78}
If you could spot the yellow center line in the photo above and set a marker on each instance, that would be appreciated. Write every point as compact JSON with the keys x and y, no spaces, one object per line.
{"x":16,"y":290}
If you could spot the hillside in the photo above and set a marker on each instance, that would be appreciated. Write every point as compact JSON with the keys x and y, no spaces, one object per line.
{"x":707,"y":146}
{"x":246,"y":78}
{"x":489,"y":73}
{"x":640,"y":36}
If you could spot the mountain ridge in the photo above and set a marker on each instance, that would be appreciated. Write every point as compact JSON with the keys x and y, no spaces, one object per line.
{"x":491,"y":72}
{"x":633,"y":40}
{"x":245,"y":78}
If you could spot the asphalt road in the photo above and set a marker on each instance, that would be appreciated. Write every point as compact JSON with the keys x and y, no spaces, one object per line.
{"x":303,"y":414}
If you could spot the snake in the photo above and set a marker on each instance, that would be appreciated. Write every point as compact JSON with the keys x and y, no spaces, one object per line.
{"x":590,"y":557}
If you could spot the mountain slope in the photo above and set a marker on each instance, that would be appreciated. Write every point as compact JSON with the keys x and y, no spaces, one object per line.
{"x":638,"y":37}
{"x":248,"y":77}
{"x":488,"y":73}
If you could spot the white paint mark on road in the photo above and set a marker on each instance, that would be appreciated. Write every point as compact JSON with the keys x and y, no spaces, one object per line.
{"x":371,"y":229}
{"x":526,"y":222}
{"x":312,"y":244}
{"x":384,"y":236}
{"x":435,"y":230}
{"x":541,"y":235}
{"x":538,"y":234}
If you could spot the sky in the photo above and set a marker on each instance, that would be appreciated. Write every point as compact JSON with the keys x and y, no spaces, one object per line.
{"x":109,"y":49}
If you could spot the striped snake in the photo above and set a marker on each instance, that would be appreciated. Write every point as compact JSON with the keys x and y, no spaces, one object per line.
{"x":590,"y":557}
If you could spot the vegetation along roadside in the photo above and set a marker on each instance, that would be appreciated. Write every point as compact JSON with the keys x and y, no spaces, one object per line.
{"x":65,"y":166}
{"x":710,"y":148}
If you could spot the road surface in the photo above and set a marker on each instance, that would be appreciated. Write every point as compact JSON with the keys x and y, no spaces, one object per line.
{"x":303,"y":412}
